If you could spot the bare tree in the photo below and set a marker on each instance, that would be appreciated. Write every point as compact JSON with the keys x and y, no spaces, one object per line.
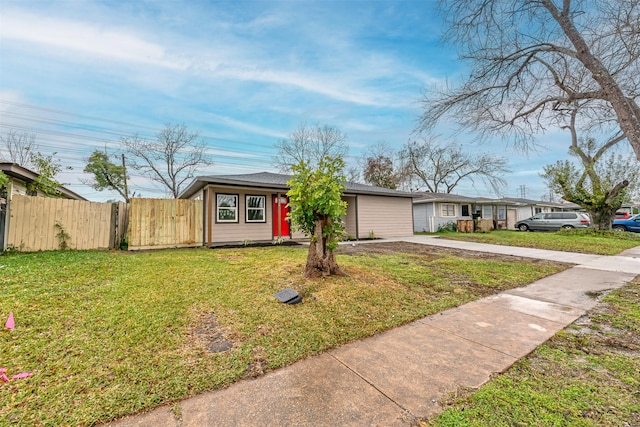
{"x":18,"y":147}
{"x":310,"y":144}
{"x":379,"y":168}
{"x":172,"y":159}
{"x":440,"y":169}
{"x":530,"y":58}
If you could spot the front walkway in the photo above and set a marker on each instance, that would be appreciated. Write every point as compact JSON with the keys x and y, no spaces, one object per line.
{"x":400,"y":375}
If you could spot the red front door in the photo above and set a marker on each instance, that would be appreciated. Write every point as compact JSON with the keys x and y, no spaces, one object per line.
{"x":280,"y":222}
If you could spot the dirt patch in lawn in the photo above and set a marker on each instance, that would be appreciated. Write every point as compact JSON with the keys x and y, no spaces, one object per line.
{"x":208,"y":335}
{"x":603,"y":336}
{"x":432,"y":252}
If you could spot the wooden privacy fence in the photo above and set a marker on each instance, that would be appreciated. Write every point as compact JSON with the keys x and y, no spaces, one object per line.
{"x":39,"y":224}
{"x":165,"y":223}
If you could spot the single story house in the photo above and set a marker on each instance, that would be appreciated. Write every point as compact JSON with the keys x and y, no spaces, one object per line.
{"x":507,"y":211}
{"x":432,"y":211}
{"x":254,"y":207}
{"x":20,"y":177}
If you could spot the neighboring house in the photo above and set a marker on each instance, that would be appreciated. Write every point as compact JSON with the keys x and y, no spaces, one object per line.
{"x":432,"y":211}
{"x":632,"y":208}
{"x":501,"y":211}
{"x":254,"y":207}
{"x":19,"y":178}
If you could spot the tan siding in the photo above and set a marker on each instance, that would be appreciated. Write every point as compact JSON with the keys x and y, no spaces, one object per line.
{"x":385,"y":216}
{"x":18,"y":187}
{"x":350,"y":219}
{"x":226,"y":232}
{"x":298,"y":235}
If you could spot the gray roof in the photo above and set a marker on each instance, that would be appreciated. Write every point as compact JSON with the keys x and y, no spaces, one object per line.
{"x":565,"y":205}
{"x":427,"y":197}
{"x":276,"y":181}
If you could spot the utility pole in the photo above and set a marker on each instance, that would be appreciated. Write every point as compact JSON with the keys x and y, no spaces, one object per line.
{"x":523,"y":191}
{"x":126,"y":189}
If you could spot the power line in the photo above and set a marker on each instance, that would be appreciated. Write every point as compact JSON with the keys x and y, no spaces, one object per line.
{"x":102,"y":130}
{"x":72,"y":136}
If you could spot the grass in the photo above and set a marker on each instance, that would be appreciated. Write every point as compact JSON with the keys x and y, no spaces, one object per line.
{"x":587,"y":375}
{"x":589,"y":241}
{"x":110,"y":333}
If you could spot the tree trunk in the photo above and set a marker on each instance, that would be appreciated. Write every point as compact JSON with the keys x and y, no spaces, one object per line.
{"x":601,"y":210}
{"x":601,"y":217}
{"x":321,"y":261}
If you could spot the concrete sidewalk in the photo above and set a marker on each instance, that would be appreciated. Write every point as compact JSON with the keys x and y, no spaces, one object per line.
{"x":400,"y":375}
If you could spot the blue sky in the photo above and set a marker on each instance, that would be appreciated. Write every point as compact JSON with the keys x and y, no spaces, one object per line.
{"x":81,"y":74}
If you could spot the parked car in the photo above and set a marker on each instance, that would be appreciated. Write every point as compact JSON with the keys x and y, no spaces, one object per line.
{"x":630,"y":224}
{"x":553,"y":221}
{"x":622,"y":215}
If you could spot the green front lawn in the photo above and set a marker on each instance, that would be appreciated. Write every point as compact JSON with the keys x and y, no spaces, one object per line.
{"x":582,"y":241}
{"x":110,"y":333}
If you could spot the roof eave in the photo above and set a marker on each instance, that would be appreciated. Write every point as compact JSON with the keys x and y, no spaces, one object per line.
{"x":14,"y":170}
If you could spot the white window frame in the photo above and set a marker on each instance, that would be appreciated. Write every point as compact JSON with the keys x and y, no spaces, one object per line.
{"x":233,"y":209}
{"x":489,"y":209}
{"x":262,"y":209}
{"x":444,"y":212}
{"x":502,"y":213}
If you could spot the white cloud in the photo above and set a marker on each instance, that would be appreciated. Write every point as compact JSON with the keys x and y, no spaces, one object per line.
{"x":337,"y":87}
{"x":338,"y":75}
{"x":95,"y":40}
{"x":533,"y":172}
{"x":247,"y":127}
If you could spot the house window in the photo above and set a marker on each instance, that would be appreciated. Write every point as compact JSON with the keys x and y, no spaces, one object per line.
{"x":502,"y":213}
{"x":448,"y":209}
{"x":538,"y":210}
{"x":226,"y":208}
{"x":487,"y":212}
{"x":465,"y":210}
{"x":256,"y":208}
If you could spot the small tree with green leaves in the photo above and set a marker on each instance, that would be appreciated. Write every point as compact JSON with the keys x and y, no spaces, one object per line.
{"x":107,"y":175}
{"x":47,"y":168}
{"x":4,"y":179}
{"x":4,"y":184}
{"x":600,"y":185}
{"x":317,"y":209}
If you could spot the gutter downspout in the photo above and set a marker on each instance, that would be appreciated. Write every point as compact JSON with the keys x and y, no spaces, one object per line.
{"x":279,"y":210}
{"x":7,"y":215}
{"x":357,"y":222}
{"x":432,"y":220}
{"x":204,"y":216}
{"x":210,"y":214}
